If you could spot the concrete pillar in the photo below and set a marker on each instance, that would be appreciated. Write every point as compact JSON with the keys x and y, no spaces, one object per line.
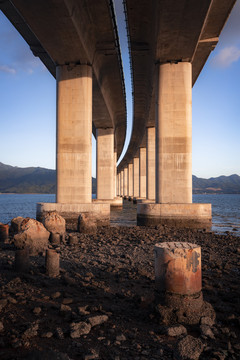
{"x":105,"y":164}
{"x":130,"y":179}
{"x":150,"y":173}
{"x":174,"y":134}
{"x":174,"y":205}
{"x":142,"y":172}
{"x":125,"y":182}
{"x":136,"y":177}
{"x":121,"y":174}
{"x":74,"y":134}
{"x":115,"y":183}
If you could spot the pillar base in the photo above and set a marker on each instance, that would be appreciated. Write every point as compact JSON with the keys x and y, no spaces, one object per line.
{"x":100,"y":213}
{"x":116,"y":202}
{"x":145,"y":201}
{"x":197,"y":216}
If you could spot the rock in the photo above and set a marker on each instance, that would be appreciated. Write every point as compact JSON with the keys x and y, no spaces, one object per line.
{"x":73,"y":239}
{"x":97,"y":320}
{"x":188,"y":348}
{"x":121,"y":337}
{"x":55,"y":295}
{"x":87,"y":224}
{"x":47,"y":335}
{"x":3,"y":303}
{"x":82,"y":310}
{"x":32,"y":331}
{"x":65,"y":308}
{"x":1,"y":326}
{"x":37,"y":310}
{"x":206,"y":321}
{"x":206,"y":331}
{"x":59,"y":333}
{"x":15,"y":227}
{"x":54,"y":222}
{"x":33,"y":236}
{"x":79,"y":329}
{"x":176,"y":330}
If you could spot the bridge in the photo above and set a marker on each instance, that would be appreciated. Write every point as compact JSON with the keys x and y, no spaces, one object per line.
{"x":169,"y":41}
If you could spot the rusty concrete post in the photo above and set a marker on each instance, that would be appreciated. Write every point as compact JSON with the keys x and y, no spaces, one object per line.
{"x":52,"y":263}
{"x":22,"y":262}
{"x":4,"y":232}
{"x":178,"y":268}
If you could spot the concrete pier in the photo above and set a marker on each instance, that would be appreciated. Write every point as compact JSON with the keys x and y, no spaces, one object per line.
{"x":105,"y":164}
{"x":142,"y":172}
{"x":150,"y":159}
{"x":130,"y":180}
{"x":125,"y":182}
{"x":174,"y":153}
{"x":136,"y":176}
{"x":52,"y":263}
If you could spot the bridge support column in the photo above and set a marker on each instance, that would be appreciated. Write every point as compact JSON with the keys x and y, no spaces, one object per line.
{"x":74,"y":148}
{"x":130,"y":181}
{"x":151,"y":163}
{"x":125,"y":182}
{"x":142,"y":172}
{"x":135,"y":178}
{"x":174,"y":153}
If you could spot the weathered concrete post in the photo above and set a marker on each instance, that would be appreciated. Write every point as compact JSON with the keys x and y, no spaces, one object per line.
{"x":115,"y":182}
{"x":105,"y":164}
{"x":142,"y":172}
{"x":52,"y":263}
{"x":122,"y":182}
{"x":178,"y":277}
{"x":130,"y":180}
{"x":4,"y":232}
{"x":174,"y":153}
{"x":150,"y":178}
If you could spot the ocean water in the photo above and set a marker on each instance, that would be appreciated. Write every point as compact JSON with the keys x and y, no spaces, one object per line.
{"x":225,"y":209}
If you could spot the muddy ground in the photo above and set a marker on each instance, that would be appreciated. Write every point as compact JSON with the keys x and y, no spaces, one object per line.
{"x":102,"y":305}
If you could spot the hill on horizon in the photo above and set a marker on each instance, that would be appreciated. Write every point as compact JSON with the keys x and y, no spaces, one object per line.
{"x":39,"y":180}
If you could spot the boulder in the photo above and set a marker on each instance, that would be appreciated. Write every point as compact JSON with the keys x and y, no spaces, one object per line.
{"x":54,"y":222}
{"x":33,"y":236}
{"x":16,"y":224}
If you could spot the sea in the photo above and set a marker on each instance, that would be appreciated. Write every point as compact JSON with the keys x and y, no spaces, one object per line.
{"x":225,"y":210}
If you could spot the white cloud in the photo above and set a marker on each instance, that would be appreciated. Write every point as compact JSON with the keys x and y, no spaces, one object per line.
{"x":226,"y":57}
{"x":7,"y":69}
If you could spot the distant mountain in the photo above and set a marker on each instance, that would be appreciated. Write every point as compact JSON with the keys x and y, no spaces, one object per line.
{"x":31,"y":180}
{"x":14,"y":179}
{"x":219,"y":185}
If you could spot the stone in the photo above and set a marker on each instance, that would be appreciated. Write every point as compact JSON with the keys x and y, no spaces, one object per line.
{"x":22,"y":262}
{"x":87,"y":224}
{"x":1,"y":326}
{"x":54,"y":222}
{"x":52,"y":263}
{"x":79,"y":329}
{"x":176,"y":330}
{"x":188,"y":348}
{"x":32,"y":331}
{"x":33,"y":236}
{"x":97,"y":320}
{"x":37,"y":310}
{"x":121,"y":337}
{"x":206,"y":321}
{"x":46,"y":355}
{"x":15,"y":227}
{"x":206,"y":331}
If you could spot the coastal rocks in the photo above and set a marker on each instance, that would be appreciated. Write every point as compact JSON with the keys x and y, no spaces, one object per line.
{"x":79,"y":329}
{"x":188,"y":348}
{"x":54,"y":222}
{"x":33,"y":236}
{"x":16,"y":225}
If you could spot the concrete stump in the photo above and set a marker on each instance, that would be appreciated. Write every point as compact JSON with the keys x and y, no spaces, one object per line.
{"x":22,"y":262}
{"x":4,"y":232}
{"x":55,"y":238}
{"x":178,"y":268}
{"x":52,"y":263}
{"x":178,"y":278}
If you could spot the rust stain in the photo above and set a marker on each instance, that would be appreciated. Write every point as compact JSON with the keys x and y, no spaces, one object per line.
{"x":192,"y":260}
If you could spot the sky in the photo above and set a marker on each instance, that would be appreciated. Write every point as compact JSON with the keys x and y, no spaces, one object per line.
{"x":28,"y":104}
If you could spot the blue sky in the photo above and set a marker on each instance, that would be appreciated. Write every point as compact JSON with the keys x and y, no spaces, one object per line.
{"x":28,"y":104}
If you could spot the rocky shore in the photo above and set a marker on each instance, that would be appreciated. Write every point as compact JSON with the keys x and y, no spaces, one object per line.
{"x":103,"y":303}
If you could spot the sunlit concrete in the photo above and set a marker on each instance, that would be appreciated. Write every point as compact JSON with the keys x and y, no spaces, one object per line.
{"x":125,"y":182}
{"x":130,"y":180}
{"x":142,"y":172}
{"x":136,"y":177}
{"x":105,"y":164}
{"x":150,"y":158}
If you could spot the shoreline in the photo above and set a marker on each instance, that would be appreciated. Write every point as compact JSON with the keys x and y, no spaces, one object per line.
{"x":110,"y":276}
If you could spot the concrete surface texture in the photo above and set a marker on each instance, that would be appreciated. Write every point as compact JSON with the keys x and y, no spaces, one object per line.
{"x":74,"y":134}
{"x":136,"y":177}
{"x":150,"y":158}
{"x":130,"y":179}
{"x":105,"y":164}
{"x":142,"y":172}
